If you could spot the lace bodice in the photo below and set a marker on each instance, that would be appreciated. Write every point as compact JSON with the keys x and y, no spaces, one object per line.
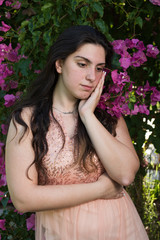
{"x":59,"y":162}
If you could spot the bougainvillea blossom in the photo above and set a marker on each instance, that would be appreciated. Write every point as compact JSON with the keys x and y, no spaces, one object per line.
{"x":138,"y":58}
{"x":9,"y":100}
{"x":7,"y":15}
{"x":2,"y":224}
{"x":152,"y":51}
{"x":16,"y":5}
{"x":30,"y":222}
{"x":4,"y":128}
{"x":1,"y":2}
{"x":5,"y":27}
{"x":155,"y":2}
{"x":8,"y":3}
{"x":155,"y":97}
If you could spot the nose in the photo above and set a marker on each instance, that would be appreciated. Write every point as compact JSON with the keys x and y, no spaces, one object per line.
{"x":91,"y":75}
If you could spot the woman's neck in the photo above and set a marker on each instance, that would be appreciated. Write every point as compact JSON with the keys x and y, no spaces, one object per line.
{"x":63,"y":102}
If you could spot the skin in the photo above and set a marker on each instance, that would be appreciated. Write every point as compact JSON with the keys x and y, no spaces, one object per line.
{"x":80,"y":77}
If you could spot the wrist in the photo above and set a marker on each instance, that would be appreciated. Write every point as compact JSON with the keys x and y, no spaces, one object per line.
{"x":87,"y":117}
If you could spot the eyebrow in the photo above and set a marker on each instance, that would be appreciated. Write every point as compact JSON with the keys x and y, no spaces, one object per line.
{"x":87,"y":60}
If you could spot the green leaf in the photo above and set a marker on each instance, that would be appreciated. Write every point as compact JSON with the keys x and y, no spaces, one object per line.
{"x":139,"y":21}
{"x":101,"y":25}
{"x":132,"y":97}
{"x":47,"y":36}
{"x":2,"y":94}
{"x":74,"y":4}
{"x":31,"y":26}
{"x":46,"y":6}
{"x":84,"y":12}
{"x":22,"y":66}
{"x":24,"y":23}
{"x":4,"y":201}
{"x":131,"y":106}
{"x":97,"y":7}
{"x":35,"y":37}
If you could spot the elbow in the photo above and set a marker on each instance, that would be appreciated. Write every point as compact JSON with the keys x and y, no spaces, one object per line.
{"x":128,"y":180}
{"x":20,"y":206}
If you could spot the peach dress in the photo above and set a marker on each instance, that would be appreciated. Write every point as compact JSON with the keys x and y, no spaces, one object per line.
{"x":114,"y":219}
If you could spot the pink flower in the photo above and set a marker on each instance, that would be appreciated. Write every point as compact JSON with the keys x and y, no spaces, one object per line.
{"x":103,"y":100}
{"x":155,"y":97}
{"x":13,"y":84}
{"x":1,"y":146}
{"x":147,"y":87}
{"x":15,"y":210}
{"x":140,"y":46}
{"x":30,"y":222}
{"x":114,"y":111}
{"x":9,"y":100}
{"x":152,"y":51}
{"x":2,"y":224}
{"x":140,"y":91}
{"x":125,"y":62}
{"x":143,"y":109}
{"x":37,"y":71}
{"x":1,"y":2}
{"x":119,"y":78}
{"x":135,"y":110}
{"x":4,"y":128}
{"x":119,"y":46}
{"x":12,"y":54}
{"x":155,"y":2}
{"x":7,"y":15}
{"x":8,"y":3}
{"x":125,"y":109}
{"x":138,"y":58}
{"x":1,"y":39}
{"x":3,"y":181}
{"x":16,"y":5}
{"x":5,"y":27}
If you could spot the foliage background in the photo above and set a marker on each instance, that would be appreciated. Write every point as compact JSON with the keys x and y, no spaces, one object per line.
{"x":35,"y":25}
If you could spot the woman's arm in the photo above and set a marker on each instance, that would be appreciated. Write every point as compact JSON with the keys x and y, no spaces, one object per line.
{"x":117,"y":154}
{"x":27,"y":195}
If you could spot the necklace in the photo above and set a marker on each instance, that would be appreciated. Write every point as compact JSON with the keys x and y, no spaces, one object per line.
{"x":71,"y":112}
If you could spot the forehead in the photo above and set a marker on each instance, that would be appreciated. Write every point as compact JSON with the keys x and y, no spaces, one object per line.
{"x":93,"y":52}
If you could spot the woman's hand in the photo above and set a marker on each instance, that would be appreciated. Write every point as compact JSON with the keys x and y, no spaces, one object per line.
{"x":88,"y":105}
{"x":109,"y":188}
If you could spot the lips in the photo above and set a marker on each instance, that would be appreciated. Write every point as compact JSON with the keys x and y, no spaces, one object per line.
{"x":86,"y":87}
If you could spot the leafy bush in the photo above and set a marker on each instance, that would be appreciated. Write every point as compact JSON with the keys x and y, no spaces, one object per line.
{"x":29,"y":28}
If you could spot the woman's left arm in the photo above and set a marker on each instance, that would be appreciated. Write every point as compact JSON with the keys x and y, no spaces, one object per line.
{"x":117,"y":154}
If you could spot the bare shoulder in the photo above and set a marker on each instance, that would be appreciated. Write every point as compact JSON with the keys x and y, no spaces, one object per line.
{"x":16,"y":130}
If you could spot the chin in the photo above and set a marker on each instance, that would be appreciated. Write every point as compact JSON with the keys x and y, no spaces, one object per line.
{"x":85,"y":96}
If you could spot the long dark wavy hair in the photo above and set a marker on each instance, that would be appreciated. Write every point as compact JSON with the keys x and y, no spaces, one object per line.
{"x":40,"y":95}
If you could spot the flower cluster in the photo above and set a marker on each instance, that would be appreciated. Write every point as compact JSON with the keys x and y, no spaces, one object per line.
{"x":155,"y":2}
{"x":11,"y":3}
{"x":126,"y":98}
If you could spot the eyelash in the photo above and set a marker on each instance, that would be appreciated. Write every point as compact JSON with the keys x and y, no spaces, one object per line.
{"x":82,"y":65}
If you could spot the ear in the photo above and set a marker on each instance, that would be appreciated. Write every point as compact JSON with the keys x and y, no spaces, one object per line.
{"x":58,"y":65}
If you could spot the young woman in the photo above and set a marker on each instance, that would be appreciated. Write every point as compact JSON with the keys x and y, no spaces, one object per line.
{"x":66,"y":159}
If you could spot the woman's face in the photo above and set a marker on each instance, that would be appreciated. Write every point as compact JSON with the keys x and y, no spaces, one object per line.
{"x":81,"y":71}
